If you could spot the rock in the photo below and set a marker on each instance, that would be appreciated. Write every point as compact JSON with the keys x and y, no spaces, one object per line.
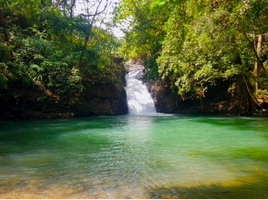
{"x":165,"y":100}
{"x":133,"y":65}
{"x":102,"y":99}
{"x":97,"y":98}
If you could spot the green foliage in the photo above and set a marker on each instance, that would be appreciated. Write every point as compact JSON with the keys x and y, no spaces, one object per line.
{"x":41,"y":62}
{"x":151,"y":68}
{"x":3,"y":75}
{"x":194,"y":44}
{"x":45,"y":48}
{"x":147,"y":18}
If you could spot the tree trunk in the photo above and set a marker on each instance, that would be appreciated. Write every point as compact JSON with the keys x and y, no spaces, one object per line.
{"x":87,"y":36}
{"x":256,"y":68}
{"x":245,"y":101}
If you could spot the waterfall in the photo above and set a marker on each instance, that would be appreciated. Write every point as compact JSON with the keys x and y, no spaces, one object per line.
{"x":139,"y":100}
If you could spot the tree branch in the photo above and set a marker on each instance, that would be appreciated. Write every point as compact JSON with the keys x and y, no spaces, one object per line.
{"x":71,"y":8}
{"x":96,"y":13}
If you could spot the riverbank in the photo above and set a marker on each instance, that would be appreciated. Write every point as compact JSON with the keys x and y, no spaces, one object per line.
{"x":220,"y":102}
{"x":99,"y":99}
{"x":94,"y":95}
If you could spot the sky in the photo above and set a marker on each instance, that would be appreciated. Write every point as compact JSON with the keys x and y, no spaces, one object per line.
{"x":106,"y":15}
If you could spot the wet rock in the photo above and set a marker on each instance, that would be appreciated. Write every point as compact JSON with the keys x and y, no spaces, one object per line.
{"x":165,"y":100}
{"x":103,"y":99}
{"x":97,"y":98}
{"x":133,"y":65}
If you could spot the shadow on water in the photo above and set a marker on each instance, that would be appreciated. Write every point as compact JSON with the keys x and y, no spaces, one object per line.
{"x":237,"y":123}
{"x":240,"y":149}
{"x":20,"y":136}
{"x":257,"y":124}
{"x":244,"y":191}
{"x":254,"y":153}
{"x":234,"y":122}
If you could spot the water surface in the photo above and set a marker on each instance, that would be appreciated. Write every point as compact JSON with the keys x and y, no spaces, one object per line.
{"x":135,"y":157}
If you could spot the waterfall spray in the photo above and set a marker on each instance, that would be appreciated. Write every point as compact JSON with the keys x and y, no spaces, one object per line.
{"x":139,"y":99}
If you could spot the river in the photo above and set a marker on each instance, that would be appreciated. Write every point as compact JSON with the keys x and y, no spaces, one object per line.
{"x":132,"y":156}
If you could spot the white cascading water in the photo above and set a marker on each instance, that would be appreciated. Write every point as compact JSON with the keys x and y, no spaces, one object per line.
{"x":139,"y":99}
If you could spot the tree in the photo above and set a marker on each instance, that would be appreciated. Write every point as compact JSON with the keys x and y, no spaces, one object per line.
{"x":202,"y":43}
{"x":50,"y":49}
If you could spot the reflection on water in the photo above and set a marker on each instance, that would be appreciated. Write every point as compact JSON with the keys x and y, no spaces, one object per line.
{"x":135,"y":157}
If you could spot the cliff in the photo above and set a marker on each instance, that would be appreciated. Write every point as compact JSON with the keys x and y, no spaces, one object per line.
{"x":97,"y":97}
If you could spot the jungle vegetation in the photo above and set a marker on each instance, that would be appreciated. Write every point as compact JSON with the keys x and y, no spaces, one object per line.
{"x":196,"y":45}
{"x":50,"y":51}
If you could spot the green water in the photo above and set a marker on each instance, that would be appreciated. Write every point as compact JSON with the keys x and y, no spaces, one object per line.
{"x":135,"y":157}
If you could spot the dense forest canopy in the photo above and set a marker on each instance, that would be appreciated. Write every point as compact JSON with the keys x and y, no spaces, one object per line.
{"x":53,"y":50}
{"x":197,"y":44}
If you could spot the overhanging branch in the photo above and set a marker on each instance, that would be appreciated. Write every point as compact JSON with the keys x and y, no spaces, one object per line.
{"x":97,"y":12}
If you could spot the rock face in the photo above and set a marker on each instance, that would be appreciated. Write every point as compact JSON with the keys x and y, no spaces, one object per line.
{"x":220,"y":99}
{"x":165,"y":100}
{"x":133,"y":65}
{"x":97,"y":99}
{"x":168,"y":101}
{"x":101,"y":99}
